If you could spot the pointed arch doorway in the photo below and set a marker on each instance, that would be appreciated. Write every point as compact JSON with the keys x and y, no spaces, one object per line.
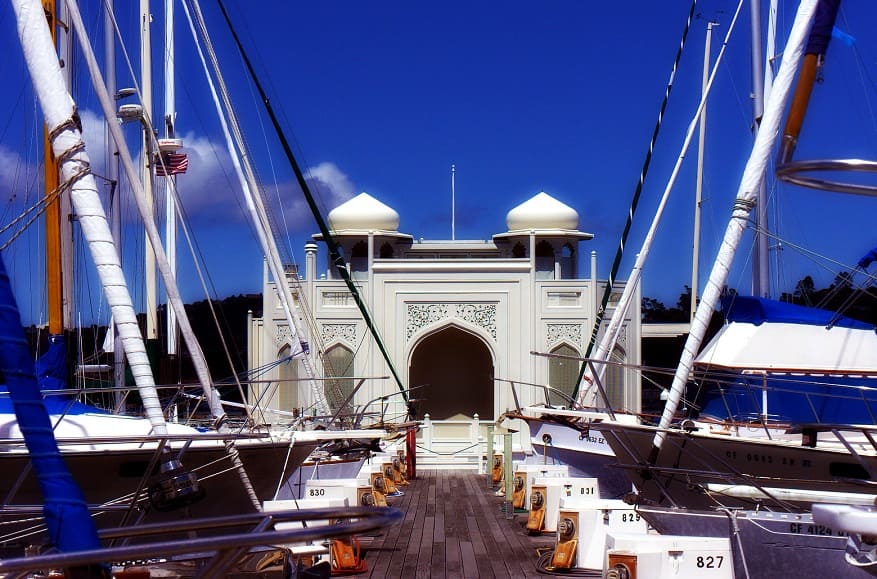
{"x":455,"y":369}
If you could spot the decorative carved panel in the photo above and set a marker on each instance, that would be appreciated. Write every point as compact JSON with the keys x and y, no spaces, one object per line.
{"x":423,"y":315}
{"x":338,"y":333}
{"x":283,"y":336}
{"x":571,"y":333}
{"x":622,"y":337}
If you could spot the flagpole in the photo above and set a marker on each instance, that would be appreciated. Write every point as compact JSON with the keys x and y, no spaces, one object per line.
{"x":453,"y":208}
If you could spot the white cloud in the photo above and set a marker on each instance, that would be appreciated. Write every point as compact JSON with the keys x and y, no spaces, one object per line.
{"x":94,"y":135}
{"x":327,"y":183}
{"x":209,"y":190}
{"x":11,"y":164}
{"x":330,"y":180}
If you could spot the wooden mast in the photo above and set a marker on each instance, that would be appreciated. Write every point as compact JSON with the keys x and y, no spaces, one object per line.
{"x":54,"y":279}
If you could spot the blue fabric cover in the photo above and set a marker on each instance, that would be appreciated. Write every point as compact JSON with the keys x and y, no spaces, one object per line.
{"x":868,"y":258}
{"x":52,"y":366}
{"x":823,"y":24}
{"x":794,"y":399}
{"x":756,"y":311}
{"x":70,"y":526}
{"x":51,"y":369}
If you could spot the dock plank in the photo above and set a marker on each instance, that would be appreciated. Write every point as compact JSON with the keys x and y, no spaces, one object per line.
{"x":453,"y":527}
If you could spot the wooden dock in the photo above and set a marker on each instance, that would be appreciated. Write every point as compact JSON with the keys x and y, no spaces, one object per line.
{"x":453,"y":527}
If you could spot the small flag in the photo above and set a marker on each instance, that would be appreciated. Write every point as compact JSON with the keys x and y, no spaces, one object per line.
{"x":842,"y":36}
{"x":171,"y":164}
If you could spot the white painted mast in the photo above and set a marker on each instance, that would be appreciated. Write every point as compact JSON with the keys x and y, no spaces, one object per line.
{"x":255,"y":206}
{"x":146,"y":166}
{"x":698,"y":191}
{"x":115,"y":201}
{"x":173,"y":293}
{"x":760,"y":263}
{"x":146,"y":214}
{"x":610,"y":336}
{"x":62,"y":120}
{"x":753,"y":174}
{"x":170,"y":117}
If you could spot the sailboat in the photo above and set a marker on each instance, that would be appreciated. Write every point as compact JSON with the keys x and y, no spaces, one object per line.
{"x":564,"y":433}
{"x":133,"y":469}
{"x":758,"y":490}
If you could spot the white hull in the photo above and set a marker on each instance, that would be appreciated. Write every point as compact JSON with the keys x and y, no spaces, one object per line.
{"x":110,"y":457}
{"x":773,"y":544}
{"x":587,"y":454}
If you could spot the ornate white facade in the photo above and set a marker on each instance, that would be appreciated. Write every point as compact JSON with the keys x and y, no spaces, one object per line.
{"x":459,"y":318}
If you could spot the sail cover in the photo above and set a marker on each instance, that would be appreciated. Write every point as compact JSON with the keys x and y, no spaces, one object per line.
{"x":52,"y":372}
{"x":788,"y":356}
{"x":69,"y":524}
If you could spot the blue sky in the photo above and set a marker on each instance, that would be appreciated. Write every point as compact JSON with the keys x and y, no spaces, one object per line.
{"x":522,"y":97}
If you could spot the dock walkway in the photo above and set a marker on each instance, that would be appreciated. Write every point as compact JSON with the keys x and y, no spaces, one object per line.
{"x":453,"y":527}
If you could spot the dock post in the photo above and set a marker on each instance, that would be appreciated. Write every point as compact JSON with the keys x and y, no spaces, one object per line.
{"x":411,"y":453}
{"x":508,"y":475}
{"x":488,"y":463}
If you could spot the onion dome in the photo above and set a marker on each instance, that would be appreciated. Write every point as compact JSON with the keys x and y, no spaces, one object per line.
{"x":363,"y":213}
{"x":542,"y":212}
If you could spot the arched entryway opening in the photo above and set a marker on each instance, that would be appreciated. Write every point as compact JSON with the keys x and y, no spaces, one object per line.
{"x":455,"y":369}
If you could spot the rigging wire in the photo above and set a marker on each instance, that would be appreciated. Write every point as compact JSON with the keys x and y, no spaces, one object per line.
{"x":616,"y":264}
{"x":206,"y":282}
{"x":336,"y":257}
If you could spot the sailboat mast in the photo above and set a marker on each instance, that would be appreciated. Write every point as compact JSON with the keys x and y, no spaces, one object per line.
{"x":578,"y":393}
{"x":115,"y":193}
{"x":752,"y":175}
{"x":698,"y":192}
{"x":61,"y":118}
{"x":53,"y":212}
{"x":149,"y":275}
{"x":760,"y":264}
{"x":613,"y":330}
{"x":249,"y":186}
{"x":170,"y":180}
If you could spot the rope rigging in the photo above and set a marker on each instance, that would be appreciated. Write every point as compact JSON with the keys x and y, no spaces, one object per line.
{"x":616,"y":264}
{"x":335,"y":255}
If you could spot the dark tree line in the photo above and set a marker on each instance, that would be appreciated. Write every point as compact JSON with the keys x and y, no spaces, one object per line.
{"x":231,"y":329}
{"x":840,"y":296}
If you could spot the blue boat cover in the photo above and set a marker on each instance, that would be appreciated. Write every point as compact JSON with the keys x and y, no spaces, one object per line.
{"x":793,"y":398}
{"x":51,"y":369}
{"x":69,"y":524}
{"x":868,"y":258}
{"x":753,"y":310}
{"x":823,"y":24}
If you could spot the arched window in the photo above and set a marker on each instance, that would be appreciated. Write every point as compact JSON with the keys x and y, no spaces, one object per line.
{"x":287,"y":374}
{"x":338,"y":363}
{"x":544,"y":260}
{"x":563,"y":373}
{"x":614,"y":381}
{"x":359,"y":261}
{"x":519,"y":251}
{"x":387,"y":251}
{"x":567,"y":262}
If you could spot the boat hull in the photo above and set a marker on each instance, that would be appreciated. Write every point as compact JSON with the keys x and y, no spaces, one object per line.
{"x":691,"y":463}
{"x":586,"y":454}
{"x":109,"y":476}
{"x":770,"y":544}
